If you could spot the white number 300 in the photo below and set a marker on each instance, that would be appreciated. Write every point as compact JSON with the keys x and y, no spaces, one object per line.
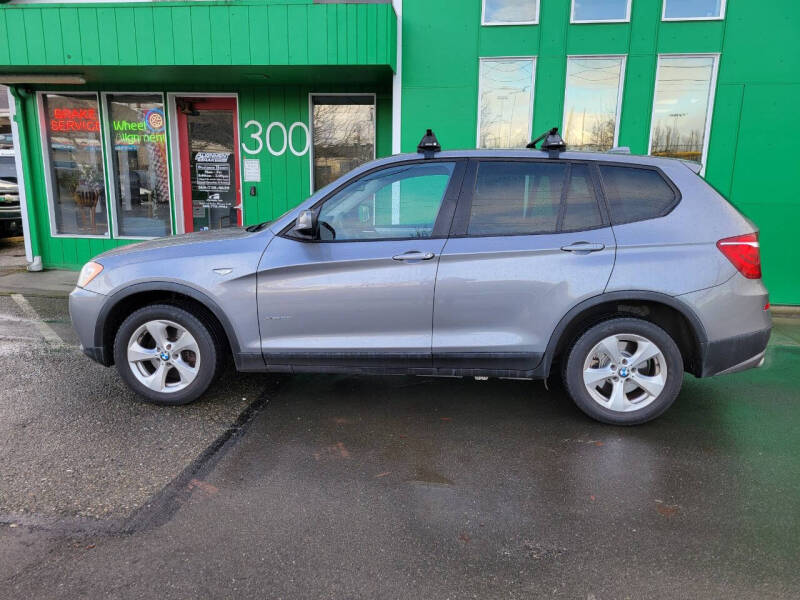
{"x":287,"y":138}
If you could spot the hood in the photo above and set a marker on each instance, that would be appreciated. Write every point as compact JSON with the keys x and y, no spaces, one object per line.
{"x":187,"y":239}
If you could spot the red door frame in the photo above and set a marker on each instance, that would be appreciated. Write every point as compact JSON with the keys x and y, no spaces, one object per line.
{"x":200,"y":104}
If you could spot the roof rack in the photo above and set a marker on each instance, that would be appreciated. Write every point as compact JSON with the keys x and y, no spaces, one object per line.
{"x":428,"y":145}
{"x":553,"y":143}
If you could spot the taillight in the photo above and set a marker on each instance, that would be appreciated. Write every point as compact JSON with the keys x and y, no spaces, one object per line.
{"x":742,"y":251}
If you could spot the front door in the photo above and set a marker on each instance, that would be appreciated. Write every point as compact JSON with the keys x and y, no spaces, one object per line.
{"x":208,"y":139}
{"x":361,"y":292}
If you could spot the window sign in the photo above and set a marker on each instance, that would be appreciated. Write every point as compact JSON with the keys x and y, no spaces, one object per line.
{"x":599,"y":11}
{"x":74,"y":152}
{"x":682,"y":106}
{"x":138,"y":151}
{"x":505,"y":102}
{"x":592,"y":101}
{"x":510,"y":12}
{"x":681,"y":10}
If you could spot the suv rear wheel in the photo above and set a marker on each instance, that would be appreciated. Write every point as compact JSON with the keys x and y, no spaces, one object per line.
{"x":624,"y":371}
{"x":166,"y":354}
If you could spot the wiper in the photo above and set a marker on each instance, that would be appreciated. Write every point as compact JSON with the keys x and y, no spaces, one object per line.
{"x":259,"y":227}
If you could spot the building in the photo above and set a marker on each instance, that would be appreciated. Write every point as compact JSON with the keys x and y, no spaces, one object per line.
{"x":143,"y":119}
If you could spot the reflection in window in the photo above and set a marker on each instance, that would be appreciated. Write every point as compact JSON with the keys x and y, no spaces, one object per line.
{"x":505,"y":102}
{"x":343,"y":134}
{"x":600,"y":10}
{"x":75,"y":156}
{"x":395,"y":203}
{"x":510,"y":11}
{"x":694,"y":9}
{"x":137,"y":131}
{"x":591,"y":103}
{"x":6,"y":140}
{"x":681,"y":106}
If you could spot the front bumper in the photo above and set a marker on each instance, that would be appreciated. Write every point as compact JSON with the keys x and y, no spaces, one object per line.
{"x":84,"y":310}
{"x":735,"y":354}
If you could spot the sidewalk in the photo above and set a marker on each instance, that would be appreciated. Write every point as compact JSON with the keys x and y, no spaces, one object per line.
{"x":15,"y":279}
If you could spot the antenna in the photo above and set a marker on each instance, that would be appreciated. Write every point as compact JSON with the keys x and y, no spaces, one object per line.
{"x":553,"y":143}
{"x":428,"y":145}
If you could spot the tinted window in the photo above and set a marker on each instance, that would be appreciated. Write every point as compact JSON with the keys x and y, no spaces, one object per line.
{"x":581,"y":210}
{"x":526,"y":198}
{"x":394,"y":203}
{"x":635,"y":194}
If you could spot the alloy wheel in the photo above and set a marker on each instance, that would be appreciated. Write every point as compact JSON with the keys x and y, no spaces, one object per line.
{"x":625,"y":372}
{"x":163,"y":356}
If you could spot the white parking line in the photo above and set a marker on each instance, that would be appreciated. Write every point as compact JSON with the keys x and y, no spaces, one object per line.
{"x":30,"y":313}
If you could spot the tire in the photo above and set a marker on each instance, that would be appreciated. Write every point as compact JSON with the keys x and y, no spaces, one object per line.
{"x":175,"y":369}
{"x":632,"y":393}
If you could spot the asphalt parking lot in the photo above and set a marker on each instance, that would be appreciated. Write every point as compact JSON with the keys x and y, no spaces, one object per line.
{"x":358,"y":487}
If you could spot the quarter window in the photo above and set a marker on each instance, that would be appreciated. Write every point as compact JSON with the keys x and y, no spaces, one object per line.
{"x":400,"y":202}
{"x":596,"y":11}
{"x":523,"y":198}
{"x":592,"y":101}
{"x":138,"y":151}
{"x":74,"y":152}
{"x":505,"y":102}
{"x":682,"y":106}
{"x":684,"y":10}
{"x":635,"y":194}
{"x":510,"y":12}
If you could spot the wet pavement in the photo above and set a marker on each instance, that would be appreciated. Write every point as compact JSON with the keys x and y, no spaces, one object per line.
{"x":359,"y":487}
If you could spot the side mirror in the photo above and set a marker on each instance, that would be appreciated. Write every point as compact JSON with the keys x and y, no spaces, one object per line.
{"x":306,"y":223}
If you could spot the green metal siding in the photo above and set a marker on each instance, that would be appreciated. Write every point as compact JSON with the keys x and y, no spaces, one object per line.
{"x":247,"y":32}
{"x":751,"y":158}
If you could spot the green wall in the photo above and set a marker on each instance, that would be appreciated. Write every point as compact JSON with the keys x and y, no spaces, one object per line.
{"x":752,"y":159}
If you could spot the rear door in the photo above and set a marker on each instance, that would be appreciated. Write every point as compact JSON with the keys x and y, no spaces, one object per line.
{"x":530,"y":239}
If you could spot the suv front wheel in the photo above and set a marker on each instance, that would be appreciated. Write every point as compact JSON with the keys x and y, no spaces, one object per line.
{"x":624,"y":371}
{"x":166,"y":354}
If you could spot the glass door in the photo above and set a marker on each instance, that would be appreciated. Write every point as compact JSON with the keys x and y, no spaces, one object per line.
{"x":209,"y":151}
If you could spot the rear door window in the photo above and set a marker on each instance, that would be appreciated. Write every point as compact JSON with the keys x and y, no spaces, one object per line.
{"x":526,"y":197}
{"x":635,"y":193}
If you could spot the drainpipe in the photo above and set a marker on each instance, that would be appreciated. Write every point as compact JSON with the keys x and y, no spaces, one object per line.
{"x":397,"y":81}
{"x":16,"y":106}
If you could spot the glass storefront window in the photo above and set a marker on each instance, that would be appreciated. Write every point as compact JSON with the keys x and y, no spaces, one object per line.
{"x":74,"y":151}
{"x":6,"y":139}
{"x":343,"y":135}
{"x":591,"y":102}
{"x":138,"y":163}
{"x":510,"y":12}
{"x":681,"y":106}
{"x":505,"y":102}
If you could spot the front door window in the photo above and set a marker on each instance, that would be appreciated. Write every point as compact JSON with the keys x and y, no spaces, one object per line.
{"x":209,"y":163}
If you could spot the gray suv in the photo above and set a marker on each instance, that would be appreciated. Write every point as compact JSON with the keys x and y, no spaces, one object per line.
{"x":619,"y":272}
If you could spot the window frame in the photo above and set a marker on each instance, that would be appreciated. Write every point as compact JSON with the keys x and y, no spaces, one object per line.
{"x":721,"y":16}
{"x":443,"y":219}
{"x":460,"y":226}
{"x":620,"y":89}
{"x":574,"y":21}
{"x":485,"y":23}
{"x":610,"y":163}
{"x":535,"y":60}
{"x":48,"y":171}
{"x":112,"y":193}
{"x":712,"y":90}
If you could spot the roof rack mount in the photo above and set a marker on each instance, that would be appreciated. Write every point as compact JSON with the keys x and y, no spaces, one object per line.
{"x":553,"y":143}
{"x":428,"y":146}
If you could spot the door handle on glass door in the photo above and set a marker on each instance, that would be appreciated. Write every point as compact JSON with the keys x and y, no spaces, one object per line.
{"x":414,"y":255}
{"x":583,"y":247}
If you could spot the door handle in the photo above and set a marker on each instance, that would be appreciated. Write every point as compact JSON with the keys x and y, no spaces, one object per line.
{"x":583,"y":247}
{"x":414,"y":255}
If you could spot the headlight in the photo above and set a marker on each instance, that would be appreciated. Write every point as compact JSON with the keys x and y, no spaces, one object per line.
{"x":89,"y":271}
